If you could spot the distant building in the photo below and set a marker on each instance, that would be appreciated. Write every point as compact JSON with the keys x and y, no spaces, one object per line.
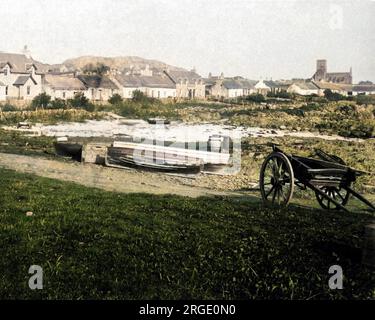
{"x":221,"y":87}
{"x":189,"y":84}
{"x":303,"y":87}
{"x":62,"y":86}
{"x":157,"y":86}
{"x":98,"y":88}
{"x":266,"y":86}
{"x":21,"y":76}
{"x":321,"y":74}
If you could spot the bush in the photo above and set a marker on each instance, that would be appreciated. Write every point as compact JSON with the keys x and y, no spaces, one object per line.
{"x":81,"y":102}
{"x":364,"y":99}
{"x":333,"y":96}
{"x":8,"y":107}
{"x":139,"y":96}
{"x":41,"y":101}
{"x":115,"y":99}
{"x":57,"y":104}
{"x":256,"y":97}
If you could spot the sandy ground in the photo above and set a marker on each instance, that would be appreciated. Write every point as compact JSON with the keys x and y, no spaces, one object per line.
{"x":110,"y":179}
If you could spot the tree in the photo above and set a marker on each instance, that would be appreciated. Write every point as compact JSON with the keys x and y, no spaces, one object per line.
{"x":115,"y":99}
{"x":81,"y":102}
{"x":99,"y":69}
{"x":41,"y":101}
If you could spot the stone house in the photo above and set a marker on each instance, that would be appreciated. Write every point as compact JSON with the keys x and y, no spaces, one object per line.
{"x":98,"y":88}
{"x":64,"y":86}
{"x":156,"y":86}
{"x":189,"y":84}
{"x":303,"y":88}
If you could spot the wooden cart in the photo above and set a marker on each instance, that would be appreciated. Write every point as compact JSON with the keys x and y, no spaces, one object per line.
{"x":329,"y":177}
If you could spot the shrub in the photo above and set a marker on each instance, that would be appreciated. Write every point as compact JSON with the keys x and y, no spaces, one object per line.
{"x":256,"y":97}
{"x":115,"y":99}
{"x":333,"y":96}
{"x":364,"y":99}
{"x":81,"y":102}
{"x":140,"y":97}
{"x":41,"y":101}
{"x":8,"y":107}
{"x":57,"y":104}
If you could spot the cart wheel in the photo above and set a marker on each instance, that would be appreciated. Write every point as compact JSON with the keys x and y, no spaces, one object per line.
{"x":339,"y":194}
{"x":276,"y":179}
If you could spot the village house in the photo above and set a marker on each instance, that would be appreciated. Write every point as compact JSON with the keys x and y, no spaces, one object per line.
{"x":62,"y":86}
{"x":189,"y":84}
{"x":21,"y":76}
{"x":156,"y":86}
{"x":98,"y":88}
{"x":303,"y":87}
{"x":265,"y":86}
{"x":362,"y":89}
{"x":221,"y":87}
{"x":334,"y":87}
{"x":248,"y":86}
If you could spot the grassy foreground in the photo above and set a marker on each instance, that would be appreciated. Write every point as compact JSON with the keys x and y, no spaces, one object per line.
{"x":101,"y":245}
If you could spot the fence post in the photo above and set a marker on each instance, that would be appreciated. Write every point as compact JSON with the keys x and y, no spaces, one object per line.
{"x":368,"y":258}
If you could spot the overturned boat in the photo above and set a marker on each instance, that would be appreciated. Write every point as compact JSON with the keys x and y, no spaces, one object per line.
{"x":174,"y":157}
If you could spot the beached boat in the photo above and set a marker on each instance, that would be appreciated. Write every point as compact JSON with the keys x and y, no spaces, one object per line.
{"x":68,"y":149}
{"x":158,"y":121}
{"x":166,"y":158}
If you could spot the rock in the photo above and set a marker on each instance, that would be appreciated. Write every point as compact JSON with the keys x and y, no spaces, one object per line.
{"x":282,"y":127}
{"x":29,"y":213}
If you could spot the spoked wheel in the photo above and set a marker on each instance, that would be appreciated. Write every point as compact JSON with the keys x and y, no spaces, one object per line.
{"x":276,"y":180}
{"x":339,"y":194}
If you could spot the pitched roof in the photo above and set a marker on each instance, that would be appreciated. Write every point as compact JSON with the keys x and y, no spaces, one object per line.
{"x":157,"y":82}
{"x":246,"y":83}
{"x":96,"y":81}
{"x":178,"y":75}
{"x":329,"y":85}
{"x":59,"y":82}
{"x":21,"y":80}
{"x":129,"y":81}
{"x":20,"y":62}
{"x":132,"y":81}
{"x":231,"y":84}
{"x":305,"y":85}
{"x":364,"y":88}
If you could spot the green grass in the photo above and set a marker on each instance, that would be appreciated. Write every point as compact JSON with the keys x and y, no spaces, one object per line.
{"x":100,"y":245}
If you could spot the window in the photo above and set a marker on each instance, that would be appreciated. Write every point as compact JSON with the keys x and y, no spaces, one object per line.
{"x":28,"y":90}
{"x":6,"y":90}
{"x":6,"y":71}
{"x":63,"y":95}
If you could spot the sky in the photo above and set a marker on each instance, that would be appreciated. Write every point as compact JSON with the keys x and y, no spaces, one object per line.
{"x":256,"y":39}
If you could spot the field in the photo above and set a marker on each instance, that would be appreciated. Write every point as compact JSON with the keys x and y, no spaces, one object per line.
{"x":94,"y":244}
{"x":100,"y":245}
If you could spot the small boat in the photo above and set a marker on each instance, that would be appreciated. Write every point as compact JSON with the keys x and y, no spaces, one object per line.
{"x":163,"y":161}
{"x":158,"y":121}
{"x":69,"y":149}
{"x":173,"y":157}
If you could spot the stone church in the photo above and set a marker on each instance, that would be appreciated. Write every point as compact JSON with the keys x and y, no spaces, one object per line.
{"x":321,"y":74}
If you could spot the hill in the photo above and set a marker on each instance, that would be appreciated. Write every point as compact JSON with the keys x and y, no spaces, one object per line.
{"x":119,"y":63}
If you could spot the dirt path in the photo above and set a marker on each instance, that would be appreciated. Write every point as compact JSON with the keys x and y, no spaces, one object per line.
{"x":110,"y":179}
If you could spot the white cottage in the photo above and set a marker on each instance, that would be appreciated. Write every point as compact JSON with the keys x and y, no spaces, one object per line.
{"x":21,"y":76}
